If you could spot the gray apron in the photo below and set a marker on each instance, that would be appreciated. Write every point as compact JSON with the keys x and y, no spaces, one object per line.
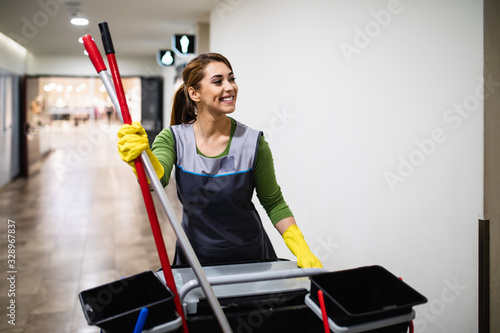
{"x":219,"y":217}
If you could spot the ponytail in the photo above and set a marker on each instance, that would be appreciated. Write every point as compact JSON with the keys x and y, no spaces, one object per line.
{"x":183,"y":110}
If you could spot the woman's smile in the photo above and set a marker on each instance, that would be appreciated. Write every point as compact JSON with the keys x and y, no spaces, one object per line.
{"x":227,"y":99}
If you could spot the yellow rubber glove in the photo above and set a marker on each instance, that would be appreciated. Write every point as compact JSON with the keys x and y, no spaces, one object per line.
{"x":297,"y":244}
{"x":132,"y":141}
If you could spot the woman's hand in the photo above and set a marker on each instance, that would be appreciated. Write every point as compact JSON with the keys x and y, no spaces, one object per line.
{"x":132,"y":141}
{"x":294,"y":240}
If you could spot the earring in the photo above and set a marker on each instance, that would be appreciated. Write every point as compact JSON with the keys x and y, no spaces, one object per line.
{"x":195,"y":111}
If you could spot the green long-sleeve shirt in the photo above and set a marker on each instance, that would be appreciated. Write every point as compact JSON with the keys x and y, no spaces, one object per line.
{"x":266,"y":186}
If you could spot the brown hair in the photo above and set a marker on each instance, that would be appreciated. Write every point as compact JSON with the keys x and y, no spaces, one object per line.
{"x":183,"y":108}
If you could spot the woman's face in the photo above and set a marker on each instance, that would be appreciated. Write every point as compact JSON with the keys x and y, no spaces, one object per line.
{"x":218,"y":89}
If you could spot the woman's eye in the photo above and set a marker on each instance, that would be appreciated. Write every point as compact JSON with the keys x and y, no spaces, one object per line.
{"x":231,"y":79}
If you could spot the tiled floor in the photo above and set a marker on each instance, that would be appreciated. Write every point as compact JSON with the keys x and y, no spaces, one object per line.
{"x":80,"y":222}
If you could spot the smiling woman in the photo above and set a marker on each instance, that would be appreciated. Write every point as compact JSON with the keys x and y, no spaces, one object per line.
{"x":219,"y":163}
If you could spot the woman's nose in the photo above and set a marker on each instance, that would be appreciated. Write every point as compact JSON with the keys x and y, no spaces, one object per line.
{"x":228,"y":86}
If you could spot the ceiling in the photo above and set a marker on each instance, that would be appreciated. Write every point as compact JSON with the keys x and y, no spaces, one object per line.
{"x":138,"y":27}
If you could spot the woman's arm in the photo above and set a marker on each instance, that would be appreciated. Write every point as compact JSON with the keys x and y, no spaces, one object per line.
{"x":284,"y":224}
{"x":164,"y":149}
{"x":266,"y":185}
{"x":271,"y":198}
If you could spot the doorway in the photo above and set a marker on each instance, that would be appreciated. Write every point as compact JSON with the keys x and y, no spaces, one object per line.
{"x":58,"y":104}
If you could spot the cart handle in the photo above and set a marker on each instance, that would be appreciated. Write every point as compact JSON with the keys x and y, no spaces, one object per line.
{"x":250,"y":277}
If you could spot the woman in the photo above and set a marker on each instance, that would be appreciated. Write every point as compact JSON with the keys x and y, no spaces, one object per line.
{"x":219,"y":162}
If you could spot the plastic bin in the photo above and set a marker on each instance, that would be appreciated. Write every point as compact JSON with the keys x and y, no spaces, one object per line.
{"x":396,"y":324}
{"x":364,"y":294}
{"x":115,"y":307}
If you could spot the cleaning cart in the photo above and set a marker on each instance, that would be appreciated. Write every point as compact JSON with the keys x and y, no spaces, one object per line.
{"x":270,"y":296}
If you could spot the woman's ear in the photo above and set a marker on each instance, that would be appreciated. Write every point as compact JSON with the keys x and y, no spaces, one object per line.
{"x":193,"y":94}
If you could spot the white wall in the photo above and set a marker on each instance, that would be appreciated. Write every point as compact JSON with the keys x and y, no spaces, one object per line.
{"x":13,"y":56}
{"x":373,"y":110}
{"x":13,"y":59}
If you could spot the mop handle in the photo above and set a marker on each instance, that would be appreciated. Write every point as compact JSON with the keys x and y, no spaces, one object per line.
{"x":181,"y":236}
{"x":324,"y":316}
{"x":100,"y":67}
{"x":97,"y":61}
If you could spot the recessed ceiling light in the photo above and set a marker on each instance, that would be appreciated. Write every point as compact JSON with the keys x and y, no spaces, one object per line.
{"x":79,"y":21}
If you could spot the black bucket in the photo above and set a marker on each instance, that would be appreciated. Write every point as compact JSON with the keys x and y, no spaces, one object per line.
{"x":115,"y":307}
{"x":364,"y":294}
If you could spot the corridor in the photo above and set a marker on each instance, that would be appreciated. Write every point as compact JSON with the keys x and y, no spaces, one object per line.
{"x":79,"y":222}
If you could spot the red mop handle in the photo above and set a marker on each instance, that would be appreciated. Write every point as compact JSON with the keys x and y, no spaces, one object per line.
{"x":141,"y":174}
{"x":115,"y":73}
{"x":324,"y":316}
{"x":94,"y":54}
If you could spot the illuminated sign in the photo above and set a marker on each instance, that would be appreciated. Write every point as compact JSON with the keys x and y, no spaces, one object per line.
{"x":165,"y":58}
{"x":184,"y":44}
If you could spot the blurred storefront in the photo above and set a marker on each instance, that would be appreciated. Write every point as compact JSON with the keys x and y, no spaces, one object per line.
{"x":54,"y":102}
